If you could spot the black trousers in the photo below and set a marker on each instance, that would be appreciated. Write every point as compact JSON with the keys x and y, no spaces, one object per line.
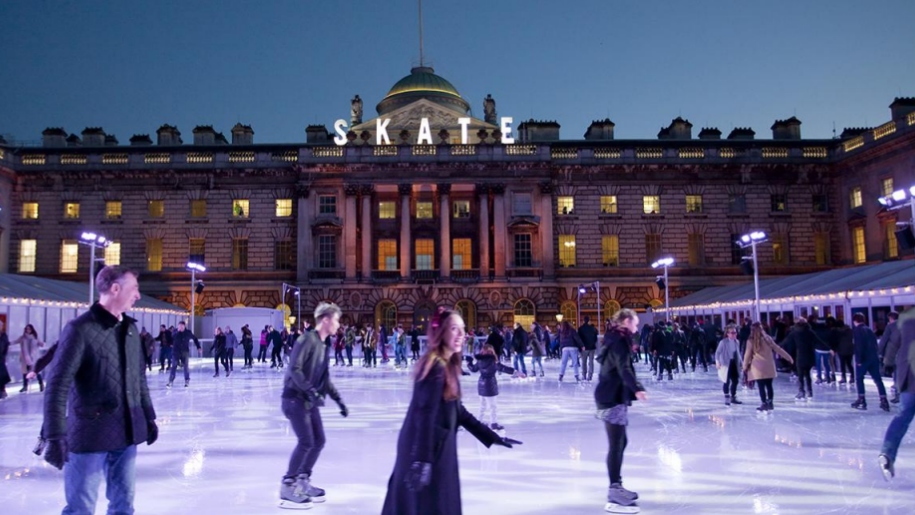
{"x":276,"y":356}
{"x":262,"y":354}
{"x":765,"y":389}
{"x":733,"y":379}
{"x":249,"y":354}
{"x":616,"y":438}
{"x":803,"y":378}
{"x":846,"y":365}
{"x":309,"y":432}
{"x":230,"y":359}
{"x":349,"y":354}
{"x":220,"y":357}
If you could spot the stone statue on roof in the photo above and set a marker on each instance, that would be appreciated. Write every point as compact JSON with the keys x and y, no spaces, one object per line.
{"x":489,"y":110}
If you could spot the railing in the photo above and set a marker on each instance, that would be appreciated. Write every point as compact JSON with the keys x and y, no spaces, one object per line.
{"x":607,"y":153}
{"x":327,"y":151}
{"x":425,"y":276}
{"x":649,"y":153}
{"x":470,"y":275}
{"x":386,"y":276}
{"x":535,"y":273}
{"x":774,"y":153}
{"x":814,"y":152}
{"x":856,"y":142}
{"x":115,"y":159}
{"x":73,"y":159}
{"x":463,"y":150}
{"x":691,"y":153}
{"x":385,"y":151}
{"x":199,"y":157}
{"x":241,"y":157}
{"x":423,"y":150}
{"x":910,"y":119}
{"x":884,"y":130}
{"x":564,"y":153}
{"x":289,"y":156}
{"x":319,"y":274}
{"x":158,"y":158}
{"x":520,"y":150}
{"x":34,"y":159}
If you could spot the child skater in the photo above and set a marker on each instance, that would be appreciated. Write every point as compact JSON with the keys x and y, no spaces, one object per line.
{"x":487,"y":365}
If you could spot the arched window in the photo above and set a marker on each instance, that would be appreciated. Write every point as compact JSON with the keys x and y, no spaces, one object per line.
{"x":386,"y":313}
{"x":610,"y":309}
{"x":569,"y":312}
{"x":524,"y":313}
{"x":468,"y":311}
{"x":286,"y":312}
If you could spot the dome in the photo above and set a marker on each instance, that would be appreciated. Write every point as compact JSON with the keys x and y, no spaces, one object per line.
{"x":422,"y":83}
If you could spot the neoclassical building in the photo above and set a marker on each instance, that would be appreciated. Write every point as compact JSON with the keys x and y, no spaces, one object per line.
{"x":450,"y":213}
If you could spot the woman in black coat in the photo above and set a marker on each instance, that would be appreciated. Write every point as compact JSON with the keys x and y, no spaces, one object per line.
{"x":5,"y":378}
{"x":425,"y":477}
{"x":488,"y":386}
{"x":804,"y":341}
{"x":219,"y":351}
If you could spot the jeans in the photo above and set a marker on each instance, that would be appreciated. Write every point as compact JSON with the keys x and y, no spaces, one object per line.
{"x":616,"y":438}
{"x":536,"y":360}
{"x":733,"y":379}
{"x":823,"y":362}
{"x":230,"y":359}
{"x":83,"y":473}
{"x":349,"y":354}
{"x":567,"y":354}
{"x":587,"y":363}
{"x":520,"y":358}
{"x":846,"y":365}
{"x":220,"y":357}
{"x":262,"y":354}
{"x":309,"y":431}
{"x":899,"y":425}
{"x":165,"y":357}
{"x":872,"y":368}
{"x":180,"y":358}
{"x":765,"y":390}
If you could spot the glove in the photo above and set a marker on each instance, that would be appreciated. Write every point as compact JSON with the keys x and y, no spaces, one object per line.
{"x":343,"y":411}
{"x":419,"y":476}
{"x":56,"y":453}
{"x":507,"y":442}
{"x":152,"y":432}
{"x":311,"y":394}
{"x":468,"y":358}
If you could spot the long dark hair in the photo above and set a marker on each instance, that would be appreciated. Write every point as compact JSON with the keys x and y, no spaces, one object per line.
{"x":435,"y":354}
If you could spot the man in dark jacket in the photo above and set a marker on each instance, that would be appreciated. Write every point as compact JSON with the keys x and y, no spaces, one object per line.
{"x":866,"y":361}
{"x":181,"y":349}
{"x":165,"y":348}
{"x":905,"y":381}
{"x":496,"y":340}
{"x":804,"y":341}
{"x":520,"y":345}
{"x":99,"y":368}
{"x":588,"y":335}
{"x":889,"y":345}
{"x":275,"y":339}
{"x":305,"y":384}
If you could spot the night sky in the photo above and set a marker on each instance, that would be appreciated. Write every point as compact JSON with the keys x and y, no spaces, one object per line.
{"x":282,"y":65}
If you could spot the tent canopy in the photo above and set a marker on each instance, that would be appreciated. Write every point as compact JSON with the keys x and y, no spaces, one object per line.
{"x":24,"y":288}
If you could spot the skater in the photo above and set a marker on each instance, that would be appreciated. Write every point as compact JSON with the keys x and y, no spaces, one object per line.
{"x":804,"y":341}
{"x":219,"y":350}
{"x":414,"y":343}
{"x":349,"y":339}
{"x":275,"y":339}
{"x":588,"y":335}
{"x":488,"y":387}
{"x":262,"y":352}
{"x":247,"y":342}
{"x":845,"y":349}
{"x":425,"y":477}
{"x":231,"y":344}
{"x":5,"y":378}
{"x":889,"y":345}
{"x":338,"y":345}
{"x":29,"y":344}
{"x":305,"y":384}
{"x":728,"y":356}
{"x":905,"y":376}
{"x":571,"y":346}
{"x":181,"y":349}
{"x":520,"y":342}
{"x":149,"y":346}
{"x":759,"y":364}
{"x":165,"y":348}
{"x":663,"y":350}
{"x":697,"y":348}
{"x":866,"y":361}
{"x":99,"y":359}
{"x":536,"y":342}
{"x":617,"y":387}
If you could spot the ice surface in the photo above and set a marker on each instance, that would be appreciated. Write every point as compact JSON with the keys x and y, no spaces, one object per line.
{"x":224,"y":445}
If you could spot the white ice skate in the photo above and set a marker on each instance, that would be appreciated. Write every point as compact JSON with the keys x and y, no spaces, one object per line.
{"x":293,"y":496}
{"x":613,"y":507}
{"x":620,"y":500}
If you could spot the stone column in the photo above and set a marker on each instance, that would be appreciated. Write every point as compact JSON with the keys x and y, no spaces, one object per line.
{"x":405,"y":243}
{"x":366,"y":229}
{"x":498,"y":222}
{"x":483,"y":197}
{"x":547,"y":256}
{"x":304,"y":239}
{"x":349,"y":231}
{"x":444,"y":197}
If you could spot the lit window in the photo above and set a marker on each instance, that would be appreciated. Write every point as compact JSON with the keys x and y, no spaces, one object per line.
{"x":780,"y":249}
{"x":737,"y":203}
{"x":460,"y":209}
{"x":887,"y":184}
{"x":425,"y":254}
{"x":696,"y":242}
{"x":820,"y":203}
{"x":779,"y":202}
{"x":424,"y":210}
{"x":113,"y":209}
{"x":652,"y":247}
{"x":694,"y":204}
{"x":327,"y":251}
{"x":651,"y":204}
{"x":608,"y":204}
{"x":69,"y":256}
{"x":461,"y":254}
{"x":854,"y":198}
{"x":283,"y":255}
{"x":154,"y":254}
{"x":610,"y":250}
{"x":241,"y":208}
{"x":283,"y":207}
{"x":30,"y":210}
{"x":157,"y":208}
{"x":525,"y":314}
{"x":521,"y":204}
{"x":387,"y":210}
{"x":892,"y":246}
{"x":199,"y":208}
{"x":821,"y":248}
{"x":567,"y":250}
{"x":239,"y":253}
{"x":27,"y":250}
{"x":327,"y":205}
{"x":523,"y":253}
{"x":197,"y":250}
{"x":71,"y":210}
{"x":387,"y":254}
{"x":113,"y":253}
{"x":858,"y":247}
{"x":565,"y":205}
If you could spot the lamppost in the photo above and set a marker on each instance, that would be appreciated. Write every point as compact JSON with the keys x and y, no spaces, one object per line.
{"x":666,"y":262}
{"x":195,"y":286}
{"x":582,"y":289}
{"x":751,"y":240}
{"x":94,"y":241}
{"x":897,"y":200}
{"x":298,"y":300}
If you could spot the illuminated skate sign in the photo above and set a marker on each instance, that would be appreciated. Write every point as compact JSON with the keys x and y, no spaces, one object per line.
{"x":425,"y":131}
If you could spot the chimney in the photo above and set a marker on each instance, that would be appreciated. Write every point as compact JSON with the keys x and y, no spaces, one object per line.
{"x":786,"y":129}
{"x":111,"y":140}
{"x":204,"y":135}
{"x":852,"y":132}
{"x":168,"y":135}
{"x":93,"y":137}
{"x":600,"y":130}
{"x":242,"y":135}
{"x":54,"y":137}
{"x":742,"y":133}
{"x":709,"y":133}
{"x":664,"y":133}
{"x":538,"y":130}
{"x":74,"y":141}
{"x":902,"y":106}
{"x":316,"y":134}
{"x":140,"y":140}
{"x":680,"y":129}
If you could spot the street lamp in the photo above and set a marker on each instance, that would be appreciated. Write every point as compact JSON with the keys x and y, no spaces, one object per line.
{"x":558,"y":318}
{"x":196,"y":287}
{"x":298,"y":300}
{"x":898,"y":200}
{"x":666,"y":262}
{"x":94,"y":241}
{"x":751,"y":240}
{"x":582,"y":289}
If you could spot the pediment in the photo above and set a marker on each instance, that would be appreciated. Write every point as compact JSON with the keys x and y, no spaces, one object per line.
{"x":408,"y":117}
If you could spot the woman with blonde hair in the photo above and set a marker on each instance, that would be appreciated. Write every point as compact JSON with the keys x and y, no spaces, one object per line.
{"x":29,"y":343}
{"x":425,"y":477}
{"x":759,"y":363}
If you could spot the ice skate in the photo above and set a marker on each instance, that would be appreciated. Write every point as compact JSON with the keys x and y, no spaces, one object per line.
{"x":800,"y":396}
{"x":886,"y":466}
{"x":496,"y":427}
{"x":884,"y":404}
{"x":860,"y":404}
{"x":763,"y":407}
{"x":734,"y":400}
{"x":618,"y":501}
{"x":312,"y":492}
{"x":727,"y":400}
{"x":293,"y":497}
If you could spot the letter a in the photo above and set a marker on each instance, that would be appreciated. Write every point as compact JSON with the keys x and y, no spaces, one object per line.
{"x":425,"y":133}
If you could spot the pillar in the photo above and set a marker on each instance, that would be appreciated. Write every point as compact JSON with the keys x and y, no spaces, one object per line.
{"x":366,"y":230}
{"x":405,"y":221}
{"x":444,"y":197}
{"x":483,"y":197}
{"x":349,"y":230}
{"x":498,"y":222}
{"x":547,"y":255}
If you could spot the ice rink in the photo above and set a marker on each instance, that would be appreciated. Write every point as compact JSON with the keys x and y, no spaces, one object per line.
{"x":224,"y":445}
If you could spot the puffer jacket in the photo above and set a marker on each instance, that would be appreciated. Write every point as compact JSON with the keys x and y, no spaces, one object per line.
{"x":617,"y":383}
{"x":487,"y":366}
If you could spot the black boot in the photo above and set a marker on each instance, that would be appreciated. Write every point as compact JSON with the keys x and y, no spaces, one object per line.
{"x":770,"y":406}
{"x":860,"y":404}
{"x":727,"y":400}
{"x":25,"y":385}
{"x":734,"y":400}
{"x":884,"y":404}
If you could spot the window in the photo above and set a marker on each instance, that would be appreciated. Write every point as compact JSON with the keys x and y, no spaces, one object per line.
{"x":71,"y":210}
{"x":424,"y":210}
{"x":780,"y":249}
{"x":460,"y":209}
{"x":239,"y":253}
{"x":521,"y":204}
{"x":610,"y":250}
{"x":694,"y":204}
{"x":69,"y":256}
{"x":821,"y":248}
{"x":327,"y":205}
{"x":197,"y":250}
{"x":283,"y":255}
{"x":468,"y":311}
{"x":113,"y":209}
{"x":387,"y":210}
{"x":566,"y":250}
{"x":156,"y":208}
{"x":283,"y":207}
{"x":327,"y":251}
{"x":779,"y":202}
{"x":154,"y":253}
{"x":386,"y":313}
{"x":854,"y":198}
{"x":737,"y":203}
{"x":199,"y":208}
{"x":859,"y":251}
{"x":820,"y":203}
{"x":887,"y":186}
{"x":565,"y":205}
{"x":461,"y":254}
{"x":240,"y":208}
{"x":387,"y":254}
{"x":608,"y":205}
{"x":891,"y":251}
{"x":523,"y":254}
{"x":696,"y":242}
{"x":30,"y":210}
{"x":27,"y":250}
{"x":651,"y":204}
{"x":113,"y":253}
{"x":524,"y":313}
{"x":652,"y":247}
{"x":569,"y":312}
{"x":736,"y":250}
{"x":425,"y":254}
